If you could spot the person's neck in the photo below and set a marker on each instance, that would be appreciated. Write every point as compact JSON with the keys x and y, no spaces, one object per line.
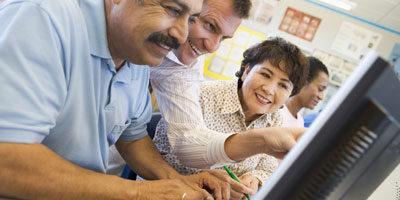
{"x":118,"y":63}
{"x":294,"y":107}
{"x":250,"y":117}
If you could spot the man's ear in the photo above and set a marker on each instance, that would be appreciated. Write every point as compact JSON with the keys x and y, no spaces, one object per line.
{"x":246,"y":72}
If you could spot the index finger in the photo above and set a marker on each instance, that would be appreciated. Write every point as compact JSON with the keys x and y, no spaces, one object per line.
{"x":240,"y":188}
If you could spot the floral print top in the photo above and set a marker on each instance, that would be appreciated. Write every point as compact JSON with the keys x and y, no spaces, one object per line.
{"x":222,"y":112}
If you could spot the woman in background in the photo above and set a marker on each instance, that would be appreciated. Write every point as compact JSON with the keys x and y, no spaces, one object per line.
{"x":309,"y":96}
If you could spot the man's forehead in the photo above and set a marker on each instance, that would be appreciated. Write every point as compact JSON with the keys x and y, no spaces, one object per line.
{"x":222,"y":15}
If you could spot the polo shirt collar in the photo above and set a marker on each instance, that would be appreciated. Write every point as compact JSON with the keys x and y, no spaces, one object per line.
{"x":94,"y":14}
{"x":124,"y":74}
{"x":171,"y":56}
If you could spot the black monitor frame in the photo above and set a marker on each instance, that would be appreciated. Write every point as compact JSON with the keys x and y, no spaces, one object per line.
{"x":351,"y":147}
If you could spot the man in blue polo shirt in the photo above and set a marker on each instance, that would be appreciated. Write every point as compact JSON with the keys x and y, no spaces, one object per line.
{"x":70,"y":89}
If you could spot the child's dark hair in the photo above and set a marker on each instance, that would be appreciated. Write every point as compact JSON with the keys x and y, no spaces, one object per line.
{"x":278,"y":51}
{"x":315,"y":67}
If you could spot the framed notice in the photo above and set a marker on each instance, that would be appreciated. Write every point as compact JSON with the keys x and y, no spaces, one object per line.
{"x":262,"y":11}
{"x":354,"y":41}
{"x":322,"y":56}
{"x":339,"y":69}
{"x":336,"y":77}
{"x":299,"y":24}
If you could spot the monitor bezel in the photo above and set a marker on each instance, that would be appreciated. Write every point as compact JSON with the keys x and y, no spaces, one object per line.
{"x":354,"y":89}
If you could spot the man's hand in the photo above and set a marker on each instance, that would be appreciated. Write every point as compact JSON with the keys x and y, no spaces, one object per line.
{"x":181,"y":188}
{"x":275,"y":141}
{"x":234,"y":190}
{"x":279,"y":140}
{"x":200,"y":186}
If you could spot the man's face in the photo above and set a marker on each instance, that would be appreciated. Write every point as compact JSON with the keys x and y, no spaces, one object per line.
{"x":144,"y":31}
{"x":217,"y":21}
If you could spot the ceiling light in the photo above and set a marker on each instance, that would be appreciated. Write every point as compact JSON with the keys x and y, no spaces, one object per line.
{"x":343,"y":4}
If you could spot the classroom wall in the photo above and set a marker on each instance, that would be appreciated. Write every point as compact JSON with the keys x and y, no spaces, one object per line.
{"x":330,"y":24}
{"x":325,"y":36}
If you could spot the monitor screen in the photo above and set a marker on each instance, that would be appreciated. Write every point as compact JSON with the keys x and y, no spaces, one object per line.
{"x":351,"y":147}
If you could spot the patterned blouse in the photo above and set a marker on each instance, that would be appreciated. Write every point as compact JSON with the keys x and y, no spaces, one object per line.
{"x":222,"y":112}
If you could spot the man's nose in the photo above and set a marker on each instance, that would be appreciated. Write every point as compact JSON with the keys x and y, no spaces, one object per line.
{"x":179,"y":30}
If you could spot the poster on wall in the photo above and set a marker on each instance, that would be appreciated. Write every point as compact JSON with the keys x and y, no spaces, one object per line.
{"x":322,"y":56}
{"x":299,"y":24}
{"x":225,"y":62}
{"x":354,"y":41}
{"x":262,"y":11}
{"x":339,"y":69}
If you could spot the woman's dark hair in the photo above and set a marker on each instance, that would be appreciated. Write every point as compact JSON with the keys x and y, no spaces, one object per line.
{"x":315,"y":67}
{"x":281,"y":54}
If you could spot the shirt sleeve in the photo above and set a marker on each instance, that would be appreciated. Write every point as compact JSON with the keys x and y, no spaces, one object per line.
{"x":138,"y":126}
{"x":32,"y":79}
{"x":177,"y":95}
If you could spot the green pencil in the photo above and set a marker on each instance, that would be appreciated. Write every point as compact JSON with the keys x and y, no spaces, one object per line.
{"x":234,"y":177}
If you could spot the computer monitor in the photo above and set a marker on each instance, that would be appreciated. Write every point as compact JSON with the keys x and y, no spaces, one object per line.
{"x":351,"y":147}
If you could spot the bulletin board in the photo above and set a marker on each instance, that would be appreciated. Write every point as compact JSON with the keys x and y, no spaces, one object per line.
{"x":354,"y":41}
{"x":299,"y":24}
{"x":339,"y":69}
{"x":225,"y":62}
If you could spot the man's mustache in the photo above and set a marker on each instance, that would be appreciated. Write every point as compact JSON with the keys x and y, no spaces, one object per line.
{"x":159,"y":38}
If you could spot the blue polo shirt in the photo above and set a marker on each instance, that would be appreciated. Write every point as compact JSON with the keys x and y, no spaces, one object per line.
{"x":58,"y":83}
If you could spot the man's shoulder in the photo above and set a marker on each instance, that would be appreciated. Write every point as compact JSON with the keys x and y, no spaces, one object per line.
{"x":53,"y":10}
{"x":46,"y":4}
{"x":60,"y":7}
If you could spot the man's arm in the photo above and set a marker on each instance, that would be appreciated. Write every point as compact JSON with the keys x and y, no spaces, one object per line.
{"x":33,"y":171}
{"x":152,"y":165}
{"x":275,"y":141}
{"x":144,"y":158}
{"x":34,"y":88}
{"x":195,"y":145}
{"x":177,"y":89}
